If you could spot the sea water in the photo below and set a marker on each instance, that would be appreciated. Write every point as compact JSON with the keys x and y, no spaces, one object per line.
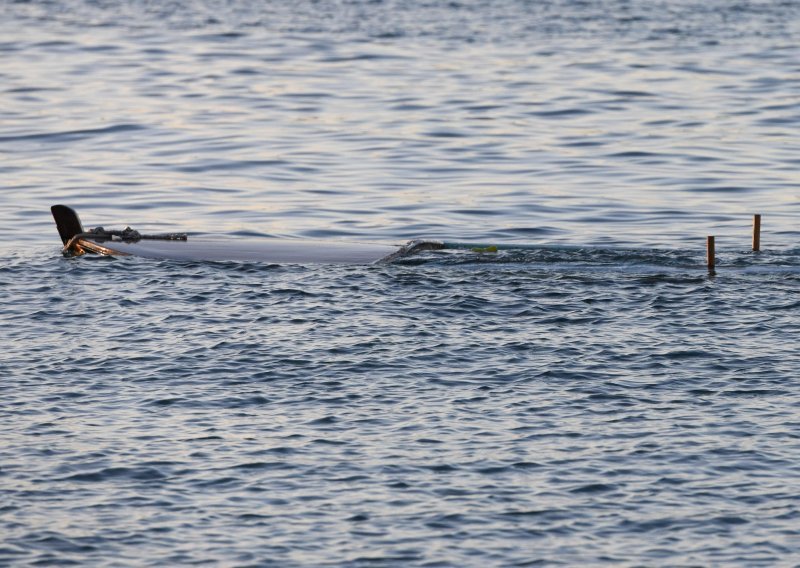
{"x":593,"y":398}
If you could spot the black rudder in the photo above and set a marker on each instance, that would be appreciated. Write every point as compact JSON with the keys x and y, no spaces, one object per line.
{"x":67,"y":221}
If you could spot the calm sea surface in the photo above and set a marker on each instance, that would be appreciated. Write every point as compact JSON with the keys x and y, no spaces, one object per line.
{"x":596,"y":399}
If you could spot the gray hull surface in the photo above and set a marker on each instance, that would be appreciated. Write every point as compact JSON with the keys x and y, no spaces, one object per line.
{"x":246,"y":250}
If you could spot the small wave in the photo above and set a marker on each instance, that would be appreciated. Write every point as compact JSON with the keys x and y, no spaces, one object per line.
{"x":220,"y":165}
{"x":133,"y":473}
{"x":71,"y":135}
{"x":592,"y":259}
{"x":561,"y":113}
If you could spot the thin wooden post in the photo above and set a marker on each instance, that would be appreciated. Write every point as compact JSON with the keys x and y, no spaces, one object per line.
{"x":756,"y":233}
{"x":711,"y":257}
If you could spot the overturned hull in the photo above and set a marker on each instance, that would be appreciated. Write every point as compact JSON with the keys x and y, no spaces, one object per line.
{"x":78,"y":241}
{"x":266,"y":250}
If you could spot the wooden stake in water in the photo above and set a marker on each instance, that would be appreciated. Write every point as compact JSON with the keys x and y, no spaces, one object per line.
{"x":711,"y":256}
{"x":756,"y":233}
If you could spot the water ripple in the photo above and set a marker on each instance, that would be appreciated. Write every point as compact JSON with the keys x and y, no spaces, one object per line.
{"x":585,"y":395}
{"x":71,"y":135}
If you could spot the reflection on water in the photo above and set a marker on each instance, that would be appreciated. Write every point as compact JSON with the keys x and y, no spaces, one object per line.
{"x":587,"y":126}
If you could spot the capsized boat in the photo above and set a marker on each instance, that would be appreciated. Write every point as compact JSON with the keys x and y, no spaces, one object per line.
{"x":129,"y":242}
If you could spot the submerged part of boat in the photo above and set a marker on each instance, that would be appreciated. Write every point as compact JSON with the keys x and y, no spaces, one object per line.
{"x":129,"y":242}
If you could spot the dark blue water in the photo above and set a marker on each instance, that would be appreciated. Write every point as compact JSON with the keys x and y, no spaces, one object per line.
{"x":597,"y":399}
